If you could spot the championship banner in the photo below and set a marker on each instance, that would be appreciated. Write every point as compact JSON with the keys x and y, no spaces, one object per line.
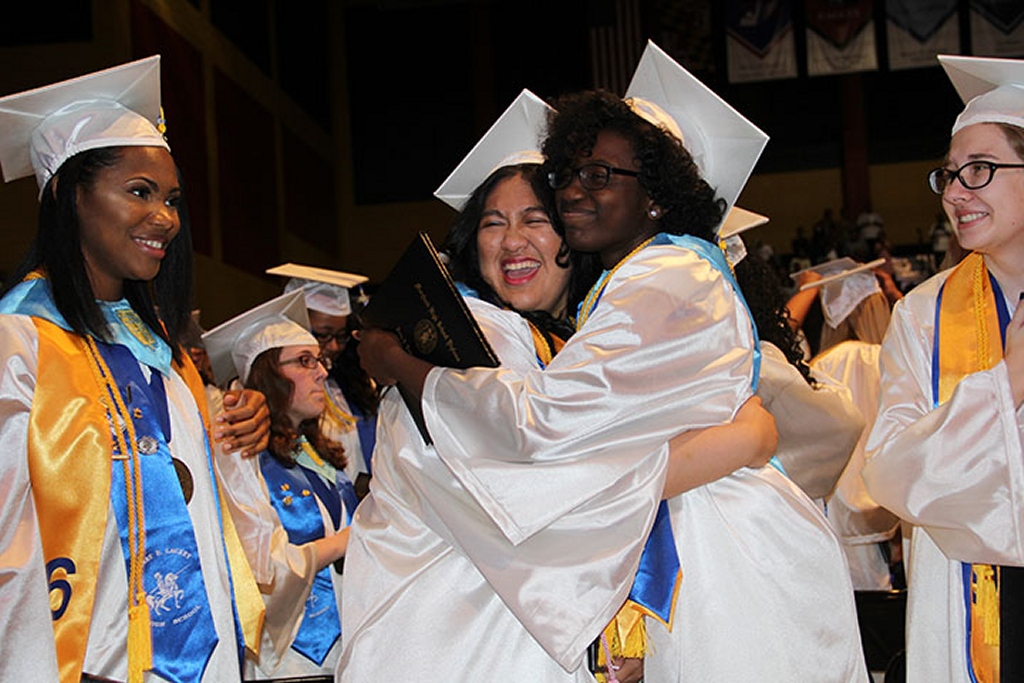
{"x":759,"y":40}
{"x":840,"y":36}
{"x":917,"y":30}
{"x":997,"y":28}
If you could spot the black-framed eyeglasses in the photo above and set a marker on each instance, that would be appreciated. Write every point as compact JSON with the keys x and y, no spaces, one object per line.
{"x":309,"y":361}
{"x":341,"y":338}
{"x":973,"y":175}
{"x":593,"y":176}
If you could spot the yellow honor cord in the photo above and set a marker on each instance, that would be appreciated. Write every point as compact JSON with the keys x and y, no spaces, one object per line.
{"x":140,"y":637}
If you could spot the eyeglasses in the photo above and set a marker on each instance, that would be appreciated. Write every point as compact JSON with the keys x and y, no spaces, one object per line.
{"x":341,"y":338}
{"x":973,"y":175}
{"x":593,"y":176}
{"x":308,"y":361}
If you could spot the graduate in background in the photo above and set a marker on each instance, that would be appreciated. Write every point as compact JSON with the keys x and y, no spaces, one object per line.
{"x":293,"y":503}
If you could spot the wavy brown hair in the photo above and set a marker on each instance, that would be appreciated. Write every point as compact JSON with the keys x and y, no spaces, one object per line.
{"x":265,"y":376}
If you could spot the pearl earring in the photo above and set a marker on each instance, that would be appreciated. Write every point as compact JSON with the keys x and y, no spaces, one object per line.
{"x":654,"y":213}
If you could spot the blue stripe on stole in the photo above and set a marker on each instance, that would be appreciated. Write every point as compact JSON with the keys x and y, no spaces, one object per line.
{"x":297,"y":508}
{"x":966,"y":568}
{"x":184,"y":635}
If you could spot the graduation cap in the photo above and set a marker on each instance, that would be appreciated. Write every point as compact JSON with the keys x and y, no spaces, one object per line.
{"x":234,"y":345}
{"x":844,"y":284}
{"x":513,"y":139}
{"x":738,"y":221}
{"x":992,"y":88}
{"x":44,"y":127}
{"x":326,"y":290}
{"x":724,"y":144}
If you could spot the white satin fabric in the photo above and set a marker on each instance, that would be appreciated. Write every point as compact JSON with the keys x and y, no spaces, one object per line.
{"x":348,"y":438}
{"x":284,"y":571}
{"x":858,"y":519}
{"x":668,"y":348}
{"x":818,"y":425}
{"x":956,"y":472}
{"x":443,"y":593}
{"x":26,"y":629}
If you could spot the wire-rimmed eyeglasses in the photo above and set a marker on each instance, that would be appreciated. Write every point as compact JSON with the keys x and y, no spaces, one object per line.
{"x":973,"y":175}
{"x":309,"y":361}
{"x":593,"y":176}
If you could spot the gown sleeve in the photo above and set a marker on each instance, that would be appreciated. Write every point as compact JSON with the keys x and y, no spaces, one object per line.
{"x":818,"y":425}
{"x":668,"y":348}
{"x":955,"y":470}
{"x":26,"y":633}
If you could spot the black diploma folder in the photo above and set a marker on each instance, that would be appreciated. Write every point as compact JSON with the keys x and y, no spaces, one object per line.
{"x":418,"y":301}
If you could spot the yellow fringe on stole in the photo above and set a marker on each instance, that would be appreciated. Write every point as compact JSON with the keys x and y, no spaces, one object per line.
{"x":626,"y":636}
{"x":970,"y":342}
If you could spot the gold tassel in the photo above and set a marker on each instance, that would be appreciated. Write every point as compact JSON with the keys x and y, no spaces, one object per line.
{"x":988,"y":602}
{"x":140,"y":639}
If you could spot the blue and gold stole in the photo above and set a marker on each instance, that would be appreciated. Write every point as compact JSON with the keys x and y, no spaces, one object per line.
{"x":970,"y":322}
{"x":77,"y":414}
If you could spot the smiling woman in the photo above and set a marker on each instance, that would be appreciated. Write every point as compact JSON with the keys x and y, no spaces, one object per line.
{"x":950,"y":408}
{"x":98,"y":393}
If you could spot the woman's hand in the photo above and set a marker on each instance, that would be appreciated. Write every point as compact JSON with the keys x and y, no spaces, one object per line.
{"x":244,"y":423}
{"x":761,"y":427}
{"x":383,"y":358}
{"x":1014,"y":355}
{"x":378,"y":350}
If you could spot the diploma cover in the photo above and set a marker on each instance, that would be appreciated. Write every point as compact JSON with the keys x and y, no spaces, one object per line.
{"x":418,"y":301}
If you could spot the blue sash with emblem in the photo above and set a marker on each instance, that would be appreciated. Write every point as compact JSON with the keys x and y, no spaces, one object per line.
{"x":183,"y":633}
{"x":292,"y":496}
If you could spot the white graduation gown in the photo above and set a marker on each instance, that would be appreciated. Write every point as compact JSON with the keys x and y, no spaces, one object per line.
{"x":26,"y":631}
{"x":955,"y":472}
{"x":857,"y":518}
{"x":668,"y":348}
{"x":443,"y":593}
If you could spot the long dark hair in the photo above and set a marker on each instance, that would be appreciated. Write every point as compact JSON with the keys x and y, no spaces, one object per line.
{"x":464,"y":257}
{"x":667,"y":171}
{"x":57,"y":250}
{"x":767,"y":301}
{"x":265,"y":376}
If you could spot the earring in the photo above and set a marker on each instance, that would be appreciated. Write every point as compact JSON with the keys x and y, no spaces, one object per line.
{"x":654,"y":213}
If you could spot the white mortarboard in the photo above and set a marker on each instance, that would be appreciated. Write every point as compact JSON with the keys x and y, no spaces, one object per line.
{"x":992,"y":88}
{"x":326,"y":290}
{"x":724,"y":144}
{"x":738,"y":221}
{"x":513,"y":139}
{"x":235,"y":344}
{"x":43,"y":128}
{"x":844,"y":284}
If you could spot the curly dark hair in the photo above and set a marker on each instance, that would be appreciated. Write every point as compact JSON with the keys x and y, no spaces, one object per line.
{"x":767,"y":301}
{"x":57,"y":250}
{"x":464,"y":258}
{"x":667,"y":171}
{"x":265,"y":376}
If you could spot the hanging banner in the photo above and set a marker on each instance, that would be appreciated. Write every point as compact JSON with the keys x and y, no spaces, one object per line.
{"x":759,"y":40}
{"x":917,"y":30}
{"x":840,"y":36}
{"x":997,"y":28}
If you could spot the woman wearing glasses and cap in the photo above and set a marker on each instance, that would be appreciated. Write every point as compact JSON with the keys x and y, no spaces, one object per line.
{"x":662,"y":339}
{"x":515,"y":582}
{"x":946,"y":450}
{"x":118,"y":556}
{"x":292,"y":505}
